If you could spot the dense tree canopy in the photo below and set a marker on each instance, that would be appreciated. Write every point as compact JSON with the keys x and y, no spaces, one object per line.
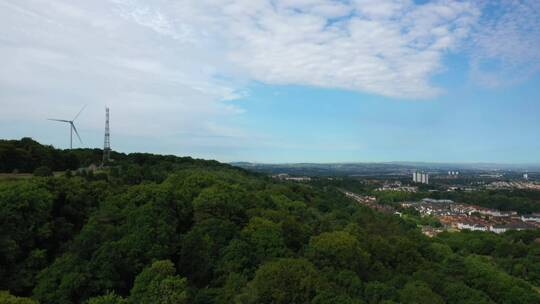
{"x":159,"y":229}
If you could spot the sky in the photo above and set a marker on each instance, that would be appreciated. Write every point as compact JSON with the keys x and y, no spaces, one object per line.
{"x":277,"y":81}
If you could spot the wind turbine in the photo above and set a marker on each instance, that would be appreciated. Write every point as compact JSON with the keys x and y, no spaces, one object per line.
{"x":72,"y":127}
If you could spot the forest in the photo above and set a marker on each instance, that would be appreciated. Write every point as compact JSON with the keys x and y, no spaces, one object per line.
{"x":165,"y":229}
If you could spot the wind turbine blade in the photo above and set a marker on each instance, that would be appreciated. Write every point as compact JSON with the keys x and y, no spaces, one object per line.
{"x":79,"y":112}
{"x":77,"y":133}
{"x":62,"y":120}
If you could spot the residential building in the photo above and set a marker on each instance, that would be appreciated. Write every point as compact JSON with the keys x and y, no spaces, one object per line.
{"x":512,"y":226}
{"x":530,"y":218}
{"x":472,"y":227}
{"x":420,"y":177}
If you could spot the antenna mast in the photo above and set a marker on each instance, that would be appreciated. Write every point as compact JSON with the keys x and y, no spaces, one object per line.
{"x":107,"y":142}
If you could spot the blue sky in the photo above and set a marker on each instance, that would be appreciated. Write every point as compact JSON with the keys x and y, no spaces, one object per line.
{"x":468,"y":125}
{"x":278,"y":81}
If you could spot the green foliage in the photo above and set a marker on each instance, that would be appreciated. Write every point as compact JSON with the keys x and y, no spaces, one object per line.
{"x":165,"y":229}
{"x":522,"y":201}
{"x":220,"y":201}
{"x":43,"y":171}
{"x":25,"y":214}
{"x":201,"y":248}
{"x":515,"y":252}
{"x":284,"y":281}
{"x":330,"y":296}
{"x":110,"y":298}
{"x":413,"y":216}
{"x":390,"y":197}
{"x":158,"y":284}
{"x":265,"y":239}
{"x":26,"y":155}
{"x":417,"y":292}
{"x":438,"y":252}
{"x":339,"y":250}
{"x":482,"y":275}
{"x":340,"y":287}
{"x":460,"y":293}
{"x":7,"y":298}
{"x":378,"y":292}
{"x":62,"y":281}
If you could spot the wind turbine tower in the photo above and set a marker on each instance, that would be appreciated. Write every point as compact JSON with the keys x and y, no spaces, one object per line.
{"x":107,"y":141}
{"x":71,"y":127}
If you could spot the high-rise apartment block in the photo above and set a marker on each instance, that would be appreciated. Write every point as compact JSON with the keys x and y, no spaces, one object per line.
{"x":420,"y":177}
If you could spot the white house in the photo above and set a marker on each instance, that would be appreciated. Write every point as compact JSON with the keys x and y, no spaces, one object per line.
{"x":530,"y":218}
{"x":473,"y":227}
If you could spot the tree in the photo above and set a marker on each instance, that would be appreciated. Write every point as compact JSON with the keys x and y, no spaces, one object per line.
{"x":438,"y":252}
{"x":339,"y":250}
{"x":285,"y":281}
{"x":220,"y":202}
{"x":266,"y":239}
{"x":25,"y":217}
{"x":377,"y":292}
{"x":65,"y":281}
{"x":295,"y":233}
{"x":418,"y":292}
{"x":109,"y":298}
{"x":481,"y":274}
{"x":238,"y":257}
{"x":459,"y":293}
{"x":201,"y":248}
{"x":234,"y":282}
{"x":7,"y":298}
{"x":332,"y":296}
{"x":159,"y":284}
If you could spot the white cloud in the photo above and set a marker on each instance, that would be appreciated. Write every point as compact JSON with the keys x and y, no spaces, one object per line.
{"x":505,"y":46}
{"x":390,"y":48}
{"x":174,"y":67}
{"x":58,"y":56}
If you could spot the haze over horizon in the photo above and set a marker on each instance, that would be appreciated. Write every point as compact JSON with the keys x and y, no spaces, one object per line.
{"x":284,"y":81}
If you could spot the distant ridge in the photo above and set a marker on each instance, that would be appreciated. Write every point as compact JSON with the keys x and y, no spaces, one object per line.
{"x":399,"y":167}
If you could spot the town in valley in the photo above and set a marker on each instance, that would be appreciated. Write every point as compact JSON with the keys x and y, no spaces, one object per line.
{"x":436,"y":197}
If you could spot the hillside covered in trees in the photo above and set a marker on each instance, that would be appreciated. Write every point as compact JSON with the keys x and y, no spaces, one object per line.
{"x":165,"y":229}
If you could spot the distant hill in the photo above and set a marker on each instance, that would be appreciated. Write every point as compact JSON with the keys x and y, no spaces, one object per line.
{"x":389,"y":168}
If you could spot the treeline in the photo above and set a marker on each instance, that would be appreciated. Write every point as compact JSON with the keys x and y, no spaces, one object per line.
{"x":203,"y":232}
{"x":522,"y":201}
{"x":27,"y":155}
